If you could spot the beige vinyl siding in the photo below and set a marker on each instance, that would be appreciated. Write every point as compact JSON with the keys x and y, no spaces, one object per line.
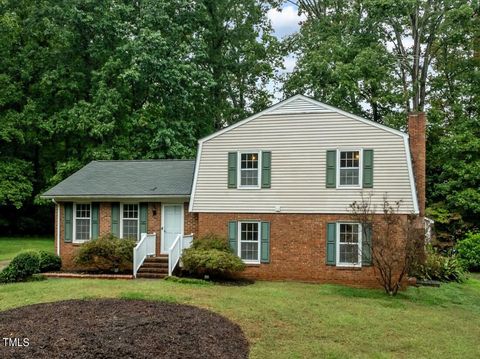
{"x":298,"y":143}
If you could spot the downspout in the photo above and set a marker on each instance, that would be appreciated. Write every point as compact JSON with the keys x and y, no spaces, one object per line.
{"x":58,"y":225}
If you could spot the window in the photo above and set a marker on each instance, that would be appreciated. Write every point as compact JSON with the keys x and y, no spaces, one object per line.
{"x":349,"y":244}
{"x":82,"y":222}
{"x":249,"y":243}
{"x":349,"y":168}
{"x":130,"y":221}
{"x":249,"y":170}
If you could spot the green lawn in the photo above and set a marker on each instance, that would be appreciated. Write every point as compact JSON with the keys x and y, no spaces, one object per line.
{"x":297,"y":320}
{"x":10,"y":247}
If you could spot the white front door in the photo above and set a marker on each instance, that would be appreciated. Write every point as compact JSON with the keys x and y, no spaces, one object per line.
{"x":172,"y":224}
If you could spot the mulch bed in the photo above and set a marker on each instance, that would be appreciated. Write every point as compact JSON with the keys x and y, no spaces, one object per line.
{"x":114,"y":328}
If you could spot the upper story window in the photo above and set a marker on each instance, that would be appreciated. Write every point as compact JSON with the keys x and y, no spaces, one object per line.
{"x":349,"y":244}
{"x":249,"y":170}
{"x":349,"y":168}
{"x":129,"y":223}
{"x":82,"y":221}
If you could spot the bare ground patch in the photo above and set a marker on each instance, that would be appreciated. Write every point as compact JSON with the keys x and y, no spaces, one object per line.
{"x":114,"y":328}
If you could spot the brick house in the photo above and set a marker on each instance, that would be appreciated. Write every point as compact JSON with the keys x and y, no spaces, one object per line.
{"x":278,"y":185}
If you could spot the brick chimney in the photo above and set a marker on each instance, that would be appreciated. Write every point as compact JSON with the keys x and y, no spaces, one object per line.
{"x":416,"y":131}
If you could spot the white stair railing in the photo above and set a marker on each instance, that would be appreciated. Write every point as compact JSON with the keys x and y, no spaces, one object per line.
{"x":175,"y":251}
{"x":145,"y":247}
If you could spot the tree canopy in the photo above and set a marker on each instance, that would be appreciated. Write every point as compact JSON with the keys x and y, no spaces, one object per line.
{"x":116,"y":79}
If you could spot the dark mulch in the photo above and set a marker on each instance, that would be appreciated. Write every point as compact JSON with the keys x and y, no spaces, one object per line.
{"x":120,"y":329}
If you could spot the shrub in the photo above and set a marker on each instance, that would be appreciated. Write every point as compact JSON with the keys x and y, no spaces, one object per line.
{"x":211,"y":241}
{"x":49,"y":262}
{"x":441,"y":268}
{"x":106,"y":254}
{"x":211,"y":255}
{"x":212,"y":262}
{"x":22,"y":267}
{"x":469,"y":251}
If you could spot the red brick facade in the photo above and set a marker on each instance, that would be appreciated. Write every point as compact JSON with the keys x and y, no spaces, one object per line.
{"x":297,"y":244}
{"x":417,"y":136}
{"x":154,"y":225}
{"x":297,"y":248}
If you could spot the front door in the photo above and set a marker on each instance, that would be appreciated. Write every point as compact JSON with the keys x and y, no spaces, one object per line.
{"x":172,"y":224}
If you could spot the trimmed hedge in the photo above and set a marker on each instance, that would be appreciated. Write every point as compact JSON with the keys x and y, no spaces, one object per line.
{"x":49,"y":262}
{"x":211,"y":255}
{"x":22,"y":267}
{"x":106,"y":254}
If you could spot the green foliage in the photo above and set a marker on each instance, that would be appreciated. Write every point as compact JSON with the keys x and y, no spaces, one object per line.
{"x":82,"y":80}
{"x":22,"y":267}
{"x":469,"y":251}
{"x":212,"y":262}
{"x":440,"y":267}
{"x":211,"y":255}
{"x":49,"y":262}
{"x":211,"y":241}
{"x":106,"y":254}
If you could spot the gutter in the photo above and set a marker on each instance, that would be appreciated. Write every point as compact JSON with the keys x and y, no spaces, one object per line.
{"x":58,"y":225}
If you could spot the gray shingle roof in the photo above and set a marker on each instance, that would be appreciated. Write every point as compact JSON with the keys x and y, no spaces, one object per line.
{"x":140,"y":178}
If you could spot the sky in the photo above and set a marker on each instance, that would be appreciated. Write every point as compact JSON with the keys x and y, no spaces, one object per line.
{"x":285,"y":21}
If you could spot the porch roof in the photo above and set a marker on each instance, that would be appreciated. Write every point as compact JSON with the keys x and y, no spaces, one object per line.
{"x":124,"y":179}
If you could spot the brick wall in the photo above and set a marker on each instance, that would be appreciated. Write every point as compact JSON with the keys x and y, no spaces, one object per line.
{"x":297,"y":248}
{"x":154,"y":225}
{"x":190,"y":220}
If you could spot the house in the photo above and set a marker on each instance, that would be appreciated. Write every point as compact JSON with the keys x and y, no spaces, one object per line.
{"x":278,"y":185}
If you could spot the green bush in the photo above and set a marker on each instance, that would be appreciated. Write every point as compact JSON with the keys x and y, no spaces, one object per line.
{"x":106,"y":254}
{"x":441,"y":268}
{"x":212,"y":262}
{"x":211,"y":241}
{"x":22,"y":267}
{"x":49,"y":262}
{"x":469,"y":251}
{"x":211,"y":255}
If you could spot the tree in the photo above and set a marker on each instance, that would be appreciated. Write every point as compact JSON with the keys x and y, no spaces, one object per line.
{"x":101,"y":79}
{"x":396,"y":242}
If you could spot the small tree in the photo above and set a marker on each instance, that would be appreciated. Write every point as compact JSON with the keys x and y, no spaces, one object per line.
{"x":397,"y":240}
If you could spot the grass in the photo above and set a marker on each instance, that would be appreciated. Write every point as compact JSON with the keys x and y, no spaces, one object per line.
{"x":11,"y":246}
{"x":298,"y":320}
{"x":294,"y":320}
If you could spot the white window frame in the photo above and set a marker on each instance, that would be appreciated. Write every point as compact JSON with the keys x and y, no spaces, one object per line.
{"x":360,"y":168}
{"x":130,"y":219}
{"x":239,"y":169}
{"x":239,"y":244}
{"x":360,"y":234}
{"x":75,"y":240}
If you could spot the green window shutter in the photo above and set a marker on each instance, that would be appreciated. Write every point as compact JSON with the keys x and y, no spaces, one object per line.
{"x":367,"y":245}
{"x":116,"y":219}
{"x":95,"y":220}
{"x":331,"y":180}
{"x":232,"y":236}
{"x":367,"y":168}
{"x":232,"y":169}
{"x":143,"y":217}
{"x":331,"y":244}
{"x":68,"y":225}
{"x":265,"y":243}
{"x":266,"y":169}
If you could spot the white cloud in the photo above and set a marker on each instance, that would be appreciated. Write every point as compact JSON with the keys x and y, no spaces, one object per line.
{"x":286,"y":21}
{"x":289,"y":62}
